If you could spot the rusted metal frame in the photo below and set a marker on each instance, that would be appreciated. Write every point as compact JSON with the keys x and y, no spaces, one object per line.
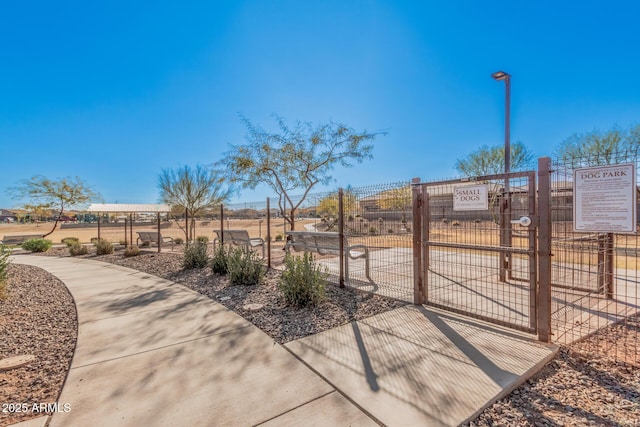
{"x":521,"y":174}
{"x":268,"y":235}
{"x":533,"y":257}
{"x":503,"y":224}
{"x":99,"y":215}
{"x":125,"y":230}
{"x":481,"y":248}
{"x":543,"y":314}
{"x":418,"y":280}
{"x":426,"y":218}
{"x":341,"y":235}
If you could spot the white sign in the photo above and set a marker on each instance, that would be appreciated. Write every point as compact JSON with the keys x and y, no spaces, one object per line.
{"x":471,"y":198}
{"x":604,"y":199}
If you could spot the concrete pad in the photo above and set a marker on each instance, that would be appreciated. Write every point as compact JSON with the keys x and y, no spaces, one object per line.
{"x":418,"y":366}
{"x":236,"y":378}
{"x":127,"y":334}
{"x":330,"y":410}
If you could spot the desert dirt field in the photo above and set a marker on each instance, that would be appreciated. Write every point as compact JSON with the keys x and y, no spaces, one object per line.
{"x":116,"y":232}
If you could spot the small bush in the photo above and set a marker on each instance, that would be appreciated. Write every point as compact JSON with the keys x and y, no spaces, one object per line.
{"x":220,"y":260}
{"x":78,"y":249}
{"x":132,"y":250}
{"x":202,"y":239}
{"x":70,"y":241}
{"x":122,"y":242}
{"x":103,"y":247}
{"x":4,"y":266}
{"x":390,"y":231}
{"x":303,"y":282}
{"x":455,"y":223}
{"x":279,"y":237}
{"x":178,"y":240}
{"x":93,"y":240}
{"x":37,"y":245}
{"x":195,"y":256}
{"x":244,"y":268}
{"x":373,"y":230}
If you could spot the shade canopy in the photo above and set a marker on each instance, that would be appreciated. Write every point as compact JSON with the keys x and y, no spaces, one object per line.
{"x":124,"y":207}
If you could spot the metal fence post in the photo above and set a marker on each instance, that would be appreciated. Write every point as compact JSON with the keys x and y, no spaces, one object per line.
{"x":221,"y":223}
{"x":341,"y":234}
{"x":268,"y":235}
{"x":544,"y":250}
{"x":159,"y":238}
{"x":609,"y":263}
{"x":417,"y":242}
{"x":426,"y":218}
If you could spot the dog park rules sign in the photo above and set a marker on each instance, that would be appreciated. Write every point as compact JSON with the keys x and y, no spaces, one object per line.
{"x":471,"y":198}
{"x":604,"y":199}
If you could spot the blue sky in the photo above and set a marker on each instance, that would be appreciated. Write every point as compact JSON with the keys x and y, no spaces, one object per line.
{"x":114,"y":92}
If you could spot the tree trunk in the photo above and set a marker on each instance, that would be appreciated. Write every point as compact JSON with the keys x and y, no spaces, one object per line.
{"x":292,"y":219}
{"x":55,"y":225}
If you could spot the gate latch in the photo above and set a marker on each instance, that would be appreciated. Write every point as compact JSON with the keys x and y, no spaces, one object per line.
{"x":524,"y":221}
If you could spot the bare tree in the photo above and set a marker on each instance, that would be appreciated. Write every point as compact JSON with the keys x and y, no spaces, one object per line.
{"x":192,"y":189}
{"x":60,"y":194}
{"x":295,"y":158}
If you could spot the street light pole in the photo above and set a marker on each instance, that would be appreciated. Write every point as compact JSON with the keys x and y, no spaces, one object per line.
{"x":501,"y":75}
{"x":505,"y":217}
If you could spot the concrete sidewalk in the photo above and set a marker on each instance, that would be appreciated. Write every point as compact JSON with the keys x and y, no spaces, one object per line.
{"x":152,"y":352}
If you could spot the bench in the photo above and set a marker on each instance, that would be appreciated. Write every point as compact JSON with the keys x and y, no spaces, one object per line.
{"x":327,"y":243}
{"x":18,"y":239}
{"x":238,"y":238}
{"x":149,"y":237}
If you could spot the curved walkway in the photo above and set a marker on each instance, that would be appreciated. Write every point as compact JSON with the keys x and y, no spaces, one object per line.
{"x":151,"y":352}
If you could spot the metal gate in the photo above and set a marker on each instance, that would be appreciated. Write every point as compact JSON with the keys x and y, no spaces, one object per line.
{"x":477,"y":260}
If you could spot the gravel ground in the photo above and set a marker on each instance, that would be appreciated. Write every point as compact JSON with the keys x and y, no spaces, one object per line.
{"x":580,"y":387}
{"x":37,"y":318}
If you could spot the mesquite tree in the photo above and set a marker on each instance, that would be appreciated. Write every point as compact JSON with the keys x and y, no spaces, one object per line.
{"x":294,"y":158}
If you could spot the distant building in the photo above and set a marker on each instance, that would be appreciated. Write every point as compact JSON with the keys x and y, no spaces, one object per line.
{"x":7,"y":216}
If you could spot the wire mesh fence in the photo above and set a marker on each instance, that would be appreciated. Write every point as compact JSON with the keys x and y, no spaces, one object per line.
{"x":594,"y":275}
{"x":479,"y":262}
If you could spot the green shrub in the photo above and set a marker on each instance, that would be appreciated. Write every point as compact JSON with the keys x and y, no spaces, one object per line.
{"x":244,"y":267}
{"x":202,"y":239}
{"x":373,"y":230}
{"x":219,"y":260}
{"x":303,"y":281}
{"x":4,"y":267}
{"x":93,"y":240}
{"x":37,"y":245}
{"x":70,"y":241}
{"x":103,"y":247}
{"x":390,"y":231}
{"x":195,"y":256}
{"x":132,"y":250}
{"x":78,"y":249}
{"x":178,"y":240}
